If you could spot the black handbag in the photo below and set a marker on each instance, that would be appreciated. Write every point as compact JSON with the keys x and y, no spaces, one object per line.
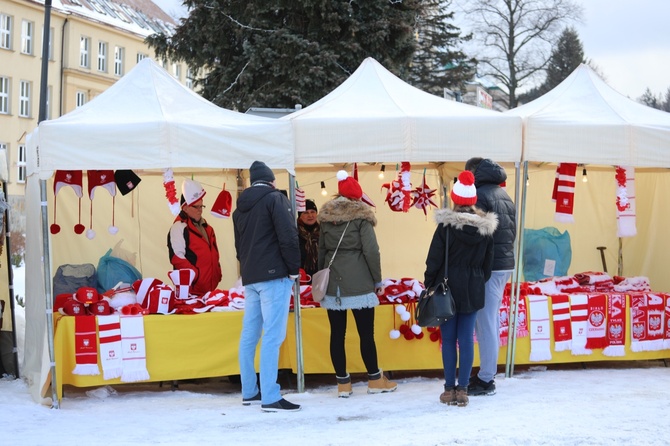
{"x":436,"y":304}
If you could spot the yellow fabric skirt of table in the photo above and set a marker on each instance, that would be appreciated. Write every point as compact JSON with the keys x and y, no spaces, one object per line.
{"x":205,"y":345}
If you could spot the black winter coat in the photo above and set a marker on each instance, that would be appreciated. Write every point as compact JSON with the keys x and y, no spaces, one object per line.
{"x":266,"y":237}
{"x":493,"y":198}
{"x":470,"y":255}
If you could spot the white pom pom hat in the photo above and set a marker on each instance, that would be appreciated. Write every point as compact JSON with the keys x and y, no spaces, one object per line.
{"x":464,"y":192}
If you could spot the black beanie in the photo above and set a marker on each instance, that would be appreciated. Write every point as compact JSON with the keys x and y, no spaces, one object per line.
{"x":310,"y":205}
{"x":260,"y":172}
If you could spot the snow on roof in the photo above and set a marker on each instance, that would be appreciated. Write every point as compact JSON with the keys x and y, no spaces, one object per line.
{"x":141,"y":17}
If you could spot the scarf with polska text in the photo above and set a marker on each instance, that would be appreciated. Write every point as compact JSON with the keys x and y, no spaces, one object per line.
{"x":85,"y":346}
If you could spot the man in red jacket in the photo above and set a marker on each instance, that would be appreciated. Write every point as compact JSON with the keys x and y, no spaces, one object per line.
{"x":192,"y":243}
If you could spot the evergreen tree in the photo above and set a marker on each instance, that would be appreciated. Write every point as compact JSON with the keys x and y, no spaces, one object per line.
{"x":260,"y":53}
{"x":666,"y":102}
{"x":648,"y":98}
{"x":567,"y":55}
{"x":438,"y":63}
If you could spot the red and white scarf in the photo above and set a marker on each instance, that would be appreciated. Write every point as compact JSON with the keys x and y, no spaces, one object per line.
{"x":540,"y":349}
{"x":504,"y":314}
{"x":647,"y":320}
{"x":579,"y":311}
{"x":564,"y":192}
{"x":625,"y":201}
{"x":109,"y":329}
{"x":666,"y":341}
{"x":133,"y":349}
{"x":616,"y":325}
{"x":560,"y":307}
{"x":596,"y":322}
{"x":86,"y":346}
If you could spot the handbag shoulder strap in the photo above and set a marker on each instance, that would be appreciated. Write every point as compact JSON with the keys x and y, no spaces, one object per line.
{"x":338,"y":244}
{"x":446,"y":256}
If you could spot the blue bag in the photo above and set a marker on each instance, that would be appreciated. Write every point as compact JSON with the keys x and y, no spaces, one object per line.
{"x":546,"y":253}
{"x":112,"y":270}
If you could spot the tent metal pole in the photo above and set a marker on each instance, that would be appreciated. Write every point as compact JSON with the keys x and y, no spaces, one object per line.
{"x":10,"y":281}
{"x":300,"y":372}
{"x":520,"y":191}
{"x":46,"y":257}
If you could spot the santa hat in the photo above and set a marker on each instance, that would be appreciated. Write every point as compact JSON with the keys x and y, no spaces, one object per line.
{"x":347,"y":186}
{"x":464,"y":192}
{"x":105,"y":179}
{"x":74,"y":179}
{"x":223,"y":204}
{"x":191,"y":192}
{"x":126,"y":181}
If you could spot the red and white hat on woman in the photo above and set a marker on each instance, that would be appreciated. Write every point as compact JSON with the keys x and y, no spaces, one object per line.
{"x":464,"y":192}
{"x":347,"y":186}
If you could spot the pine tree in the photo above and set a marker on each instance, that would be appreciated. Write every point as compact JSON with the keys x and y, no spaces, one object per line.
{"x":438,"y":63}
{"x":260,"y":53}
{"x":648,"y":98}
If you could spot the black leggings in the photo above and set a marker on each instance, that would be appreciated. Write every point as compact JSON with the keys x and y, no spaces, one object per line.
{"x":365,"y":324}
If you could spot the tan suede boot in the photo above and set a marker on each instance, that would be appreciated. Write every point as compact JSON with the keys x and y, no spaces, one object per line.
{"x":462,"y":396}
{"x":378,"y":383}
{"x":344,"y":386}
{"x":448,"y":396}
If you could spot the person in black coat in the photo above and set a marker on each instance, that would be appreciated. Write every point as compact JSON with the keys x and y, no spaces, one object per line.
{"x":470,"y":234}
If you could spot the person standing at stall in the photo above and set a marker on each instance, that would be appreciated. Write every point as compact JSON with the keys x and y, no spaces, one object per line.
{"x":266,"y":241}
{"x":470,"y":258}
{"x":491,"y":197}
{"x":308,"y":233}
{"x":192,"y":243}
{"x":347,"y":225}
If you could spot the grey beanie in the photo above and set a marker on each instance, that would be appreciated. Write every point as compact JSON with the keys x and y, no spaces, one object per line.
{"x":260,"y":172}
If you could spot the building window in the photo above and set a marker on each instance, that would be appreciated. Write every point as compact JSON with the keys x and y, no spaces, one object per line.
{"x":5,"y":31}
{"x":24,"y":99}
{"x":141,"y":57}
{"x":81,"y":98}
{"x":176,"y":71}
{"x":21,"y":164}
{"x":48,"y":103}
{"x":84,"y":50}
{"x":102,"y":57}
{"x":50,"y":48}
{"x":4,"y":95}
{"x":189,"y":78}
{"x":27,"y":37}
{"x":118,"y":60}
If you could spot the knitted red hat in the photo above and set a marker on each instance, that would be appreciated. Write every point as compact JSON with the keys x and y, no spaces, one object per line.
{"x":74,"y":179}
{"x":105,"y":179}
{"x":464,"y":192}
{"x":347,"y":186}
{"x":223,"y":204}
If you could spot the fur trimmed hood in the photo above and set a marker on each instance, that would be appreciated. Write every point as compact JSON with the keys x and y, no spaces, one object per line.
{"x":342,"y":209}
{"x":485,"y":222}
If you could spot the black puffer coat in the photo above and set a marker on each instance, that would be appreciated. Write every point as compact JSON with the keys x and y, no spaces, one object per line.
{"x":493,"y":198}
{"x":470,"y":255}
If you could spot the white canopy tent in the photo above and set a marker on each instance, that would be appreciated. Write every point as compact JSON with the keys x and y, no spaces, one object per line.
{"x":584,"y":121}
{"x":147,"y":120}
{"x":374,"y":116}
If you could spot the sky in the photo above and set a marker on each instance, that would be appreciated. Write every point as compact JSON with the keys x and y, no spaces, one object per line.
{"x":587,"y":404}
{"x":628,"y":40}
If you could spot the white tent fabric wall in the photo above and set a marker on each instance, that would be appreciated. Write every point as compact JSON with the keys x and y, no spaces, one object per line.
{"x":583,"y":120}
{"x":374,"y":116}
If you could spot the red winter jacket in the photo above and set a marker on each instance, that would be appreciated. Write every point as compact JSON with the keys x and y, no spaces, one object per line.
{"x":188,"y":249}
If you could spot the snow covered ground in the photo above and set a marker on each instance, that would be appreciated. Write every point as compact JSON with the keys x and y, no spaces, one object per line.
{"x":597,"y":404}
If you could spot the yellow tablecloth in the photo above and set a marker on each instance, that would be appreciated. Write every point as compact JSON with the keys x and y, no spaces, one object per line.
{"x":205,"y":345}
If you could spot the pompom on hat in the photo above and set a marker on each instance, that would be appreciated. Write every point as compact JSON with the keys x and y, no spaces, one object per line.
{"x":191,"y":192}
{"x":464,"y":192}
{"x":259,"y":171}
{"x":347,"y":186}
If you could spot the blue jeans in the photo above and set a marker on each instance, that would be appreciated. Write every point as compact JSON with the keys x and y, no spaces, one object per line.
{"x":460,"y":328}
{"x":266,"y":306}
{"x":487,"y":327}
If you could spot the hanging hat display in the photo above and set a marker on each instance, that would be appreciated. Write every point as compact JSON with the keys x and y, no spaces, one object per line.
{"x":126,"y":181}
{"x":105,"y":179}
{"x":299,"y":200}
{"x":170,"y":191}
{"x":74,"y":179}
{"x":399,"y":190}
{"x":223,"y":204}
{"x":422,"y":196}
{"x":464,"y":192}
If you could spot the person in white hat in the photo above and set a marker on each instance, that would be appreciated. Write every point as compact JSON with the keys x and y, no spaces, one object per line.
{"x":192,"y":242}
{"x":469,"y":233}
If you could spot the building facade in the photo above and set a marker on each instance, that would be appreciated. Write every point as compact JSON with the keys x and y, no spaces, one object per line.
{"x":91,"y":44}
